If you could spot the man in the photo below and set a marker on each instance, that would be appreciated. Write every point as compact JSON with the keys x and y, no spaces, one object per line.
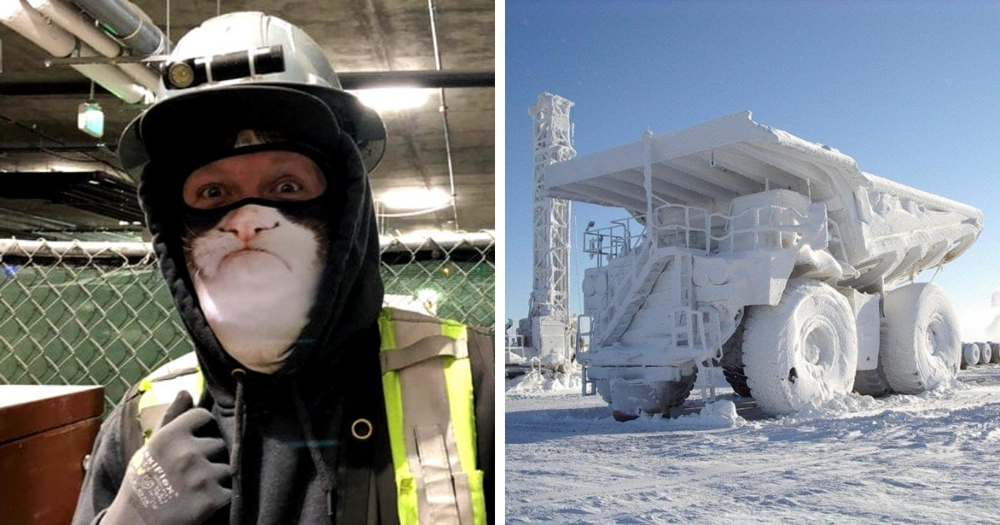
{"x":310,"y":404}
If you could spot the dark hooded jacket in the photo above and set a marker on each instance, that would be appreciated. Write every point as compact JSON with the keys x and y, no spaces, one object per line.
{"x":277,"y":453}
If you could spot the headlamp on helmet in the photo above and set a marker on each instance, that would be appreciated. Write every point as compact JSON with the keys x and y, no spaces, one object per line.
{"x":248,"y":70}
{"x":191,"y":72}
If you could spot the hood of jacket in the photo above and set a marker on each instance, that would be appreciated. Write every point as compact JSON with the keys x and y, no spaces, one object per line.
{"x":350,"y":289}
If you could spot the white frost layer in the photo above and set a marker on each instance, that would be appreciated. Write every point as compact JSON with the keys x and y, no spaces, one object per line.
{"x":534,"y":381}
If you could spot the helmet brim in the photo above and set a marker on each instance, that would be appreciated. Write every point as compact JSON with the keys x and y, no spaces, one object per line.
{"x":192,"y":126}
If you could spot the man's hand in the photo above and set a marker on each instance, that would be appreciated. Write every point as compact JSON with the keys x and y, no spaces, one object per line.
{"x":180,"y":476}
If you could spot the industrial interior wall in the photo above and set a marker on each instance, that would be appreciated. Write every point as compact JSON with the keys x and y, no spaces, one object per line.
{"x":74,"y":317}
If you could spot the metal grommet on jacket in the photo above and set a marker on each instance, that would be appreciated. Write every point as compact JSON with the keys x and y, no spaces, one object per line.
{"x":361,"y":429}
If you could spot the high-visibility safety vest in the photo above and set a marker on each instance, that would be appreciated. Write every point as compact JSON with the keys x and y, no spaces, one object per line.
{"x":427,"y":381}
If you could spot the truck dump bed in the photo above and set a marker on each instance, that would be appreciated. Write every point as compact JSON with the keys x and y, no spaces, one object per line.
{"x":887,"y":231}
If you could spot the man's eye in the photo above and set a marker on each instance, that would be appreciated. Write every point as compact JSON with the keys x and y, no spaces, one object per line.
{"x":289,"y":187}
{"x":210,"y":192}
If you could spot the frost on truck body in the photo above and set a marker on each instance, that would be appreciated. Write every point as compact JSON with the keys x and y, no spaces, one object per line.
{"x":738,"y":229}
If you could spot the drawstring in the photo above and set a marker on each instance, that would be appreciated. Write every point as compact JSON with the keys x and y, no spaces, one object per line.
{"x":317,"y":458}
{"x":236,"y":455}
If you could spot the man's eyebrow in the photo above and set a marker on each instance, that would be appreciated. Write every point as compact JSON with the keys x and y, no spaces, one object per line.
{"x":212,"y":169}
{"x":287,"y":163}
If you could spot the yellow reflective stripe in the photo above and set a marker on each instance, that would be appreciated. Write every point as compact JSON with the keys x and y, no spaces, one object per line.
{"x":406,"y":488}
{"x":147,"y":397}
{"x":458,"y":382}
{"x":156,"y":393}
{"x":386,"y":331}
{"x":452,"y":329}
{"x":478,"y":496}
{"x":199,"y":386}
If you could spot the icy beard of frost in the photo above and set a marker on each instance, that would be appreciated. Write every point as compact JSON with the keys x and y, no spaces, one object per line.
{"x":255,"y":274}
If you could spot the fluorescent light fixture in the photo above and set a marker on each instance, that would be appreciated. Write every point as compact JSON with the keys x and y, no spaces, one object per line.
{"x":65,"y":168}
{"x":411,"y":199}
{"x":90,"y":119}
{"x":393,"y":99}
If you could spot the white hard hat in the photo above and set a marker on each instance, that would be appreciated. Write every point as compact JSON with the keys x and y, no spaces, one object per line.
{"x":248,"y":70}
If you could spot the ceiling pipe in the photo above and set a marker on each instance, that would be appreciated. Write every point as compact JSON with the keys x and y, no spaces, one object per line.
{"x":444,"y":116}
{"x":129,"y":24}
{"x":112,"y":79}
{"x":29,"y":23}
{"x":72,"y":20}
{"x":33,"y":26}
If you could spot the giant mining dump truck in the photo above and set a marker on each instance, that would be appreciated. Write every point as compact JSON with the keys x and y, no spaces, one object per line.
{"x":772,"y":257}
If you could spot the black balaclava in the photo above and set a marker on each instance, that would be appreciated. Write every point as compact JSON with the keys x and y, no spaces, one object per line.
{"x":350,"y":290}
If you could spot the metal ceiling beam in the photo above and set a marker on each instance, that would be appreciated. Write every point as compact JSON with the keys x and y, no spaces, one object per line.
{"x":418,"y":78}
{"x":349,"y":80}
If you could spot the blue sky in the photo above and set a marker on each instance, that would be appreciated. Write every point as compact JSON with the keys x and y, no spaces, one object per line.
{"x":910,"y":90}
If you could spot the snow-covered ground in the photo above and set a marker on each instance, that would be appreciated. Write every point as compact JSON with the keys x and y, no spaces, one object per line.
{"x":929,"y":458}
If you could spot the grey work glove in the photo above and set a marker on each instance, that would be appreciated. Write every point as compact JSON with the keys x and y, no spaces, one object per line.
{"x":180,"y":476}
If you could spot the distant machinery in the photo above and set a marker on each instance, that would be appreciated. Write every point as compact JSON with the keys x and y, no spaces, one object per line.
{"x":544,"y":339}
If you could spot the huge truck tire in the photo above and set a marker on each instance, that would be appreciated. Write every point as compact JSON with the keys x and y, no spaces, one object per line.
{"x":970,"y":355}
{"x":630,"y":398}
{"x":873,"y":382}
{"x":922,"y":348}
{"x":802,"y":351}
{"x":985,"y":353}
{"x":737,"y":378}
{"x":996,"y":352}
{"x":732,"y":362}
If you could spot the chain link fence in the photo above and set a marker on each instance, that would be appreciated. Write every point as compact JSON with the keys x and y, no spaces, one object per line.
{"x":100,"y":313}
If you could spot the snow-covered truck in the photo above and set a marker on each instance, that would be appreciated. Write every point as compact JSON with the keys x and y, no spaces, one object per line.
{"x":768,"y":255}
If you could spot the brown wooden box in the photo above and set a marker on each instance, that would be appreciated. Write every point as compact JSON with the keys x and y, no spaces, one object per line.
{"x":45,"y":433}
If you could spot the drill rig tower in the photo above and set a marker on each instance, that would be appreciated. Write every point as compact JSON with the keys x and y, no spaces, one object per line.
{"x":547,"y":331}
